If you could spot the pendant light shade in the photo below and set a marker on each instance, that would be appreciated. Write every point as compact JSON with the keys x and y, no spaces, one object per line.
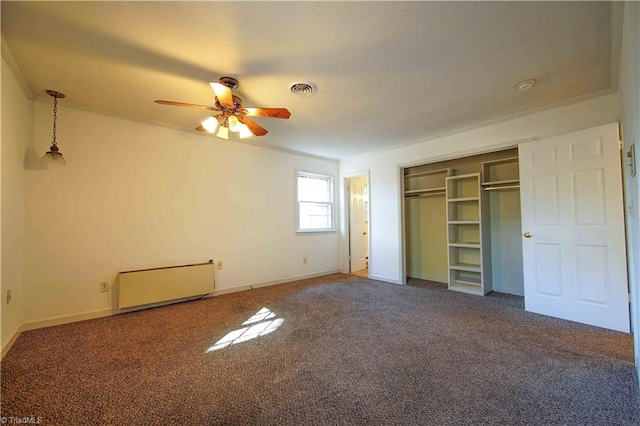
{"x":53,"y":157}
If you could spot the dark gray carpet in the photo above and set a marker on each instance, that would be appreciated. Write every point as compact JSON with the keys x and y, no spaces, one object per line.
{"x":349,"y":351}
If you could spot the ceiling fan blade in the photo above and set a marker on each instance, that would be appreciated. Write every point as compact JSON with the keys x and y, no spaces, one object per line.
{"x":223,"y":93}
{"x":254,"y":127}
{"x":268,"y":112}
{"x":182,"y":104}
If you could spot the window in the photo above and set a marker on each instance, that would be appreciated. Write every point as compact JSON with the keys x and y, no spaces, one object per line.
{"x":315,"y":202}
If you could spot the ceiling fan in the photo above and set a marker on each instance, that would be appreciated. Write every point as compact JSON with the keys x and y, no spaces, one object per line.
{"x":232,"y":115}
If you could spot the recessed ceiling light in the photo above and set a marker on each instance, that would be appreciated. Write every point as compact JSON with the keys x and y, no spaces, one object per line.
{"x":304,"y":88}
{"x":523,"y":86}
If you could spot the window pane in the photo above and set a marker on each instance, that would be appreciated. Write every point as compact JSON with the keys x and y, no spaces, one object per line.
{"x":315,"y":215}
{"x":315,"y":202}
{"x":312,"y":188}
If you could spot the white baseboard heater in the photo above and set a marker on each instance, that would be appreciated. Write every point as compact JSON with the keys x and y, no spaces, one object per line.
{"x":155,"y":285}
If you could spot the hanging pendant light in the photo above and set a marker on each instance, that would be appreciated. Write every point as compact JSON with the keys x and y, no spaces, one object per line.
{"x":53,"y":157}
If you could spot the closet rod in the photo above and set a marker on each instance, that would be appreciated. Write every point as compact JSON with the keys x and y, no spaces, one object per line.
{"x":495,"y":188}
{"x":428,"y":194}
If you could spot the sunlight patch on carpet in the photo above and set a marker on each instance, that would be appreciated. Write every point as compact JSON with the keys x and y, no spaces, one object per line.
{"x":261,"y":315}
{"x":263,"y":327}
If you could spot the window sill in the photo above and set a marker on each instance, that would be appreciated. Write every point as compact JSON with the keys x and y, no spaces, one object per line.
{"x":313,"y":231}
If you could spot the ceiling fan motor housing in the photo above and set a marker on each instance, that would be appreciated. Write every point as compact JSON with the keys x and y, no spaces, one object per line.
{"x":237,"y":102}
{"x":230,"y":82}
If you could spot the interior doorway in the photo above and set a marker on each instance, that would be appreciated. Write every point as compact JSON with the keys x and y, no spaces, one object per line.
{"x":358,"y":225}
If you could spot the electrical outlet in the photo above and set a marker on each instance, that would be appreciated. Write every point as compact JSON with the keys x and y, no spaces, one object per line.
{"x":8,"y":296}
{"x":219,"y":264}
{"x":104,"y":287}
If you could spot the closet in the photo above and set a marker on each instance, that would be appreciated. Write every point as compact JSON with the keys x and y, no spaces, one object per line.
{"x":462,"y":223}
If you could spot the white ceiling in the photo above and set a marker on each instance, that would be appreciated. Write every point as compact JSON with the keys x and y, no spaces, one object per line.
{"x":388,"y":73}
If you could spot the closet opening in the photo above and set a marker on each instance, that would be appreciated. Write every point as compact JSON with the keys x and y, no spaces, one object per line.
{"x":462,"y":223}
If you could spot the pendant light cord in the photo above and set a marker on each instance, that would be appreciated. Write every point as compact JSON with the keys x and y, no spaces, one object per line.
{"x":55,"y":117}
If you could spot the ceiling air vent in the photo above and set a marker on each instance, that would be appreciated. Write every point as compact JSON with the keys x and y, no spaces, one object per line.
{"x":303,"y":89}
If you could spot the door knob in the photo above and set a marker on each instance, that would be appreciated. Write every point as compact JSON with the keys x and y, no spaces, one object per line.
{"x":364,"y":233}
{"x":527,"y":234}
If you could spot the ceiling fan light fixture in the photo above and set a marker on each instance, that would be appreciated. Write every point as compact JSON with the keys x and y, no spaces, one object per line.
{"x":304,"y":88}
{"x":244,"y":131}
{"x":231,"y":115}
{"x":210,"y":124}
{"x":234,"y":123}
{"x":223,"y":132}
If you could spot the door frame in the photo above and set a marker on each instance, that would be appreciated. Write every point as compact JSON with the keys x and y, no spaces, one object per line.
{"x":345,"y":229}
{"x":437,"y":159}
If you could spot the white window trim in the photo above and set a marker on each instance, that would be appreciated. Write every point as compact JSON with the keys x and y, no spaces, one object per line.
{"x":332,"y":203}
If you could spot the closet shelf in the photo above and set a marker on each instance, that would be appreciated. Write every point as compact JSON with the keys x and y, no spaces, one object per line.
{"x":428,"y":173}
{"x":465,"y":245}
{"x":465,"y":267}
{"x":468,"y":279}
{"x":504,"y":171}
{"x":501,"y":182}
{"x":426,"y":184}
{"x":467,"y":287}
{"x":498,"y":188}
{"x":469,"y":263}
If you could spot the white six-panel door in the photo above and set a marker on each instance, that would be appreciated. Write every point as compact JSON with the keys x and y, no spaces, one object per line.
{"x":573,"y":228}
{"x":358,"y":224}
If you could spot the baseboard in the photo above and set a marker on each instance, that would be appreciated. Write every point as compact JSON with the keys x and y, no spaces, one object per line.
{"x":105,"y":312}
{"x":431,"y":279}
{"x":385,"y":279}
{"x":513,"y":291}
{"x":231,"y":290}
{"x":99,"y":313}
{"x":65,"y":319}
{"x":295,"y":278}
{"x":274,"y":282}
{"x":10,"y":341}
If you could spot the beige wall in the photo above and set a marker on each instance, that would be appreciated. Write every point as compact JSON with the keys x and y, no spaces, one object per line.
{"x":16,"y":136}
{"x":426,"y":238}
{"x":136,"y":196}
